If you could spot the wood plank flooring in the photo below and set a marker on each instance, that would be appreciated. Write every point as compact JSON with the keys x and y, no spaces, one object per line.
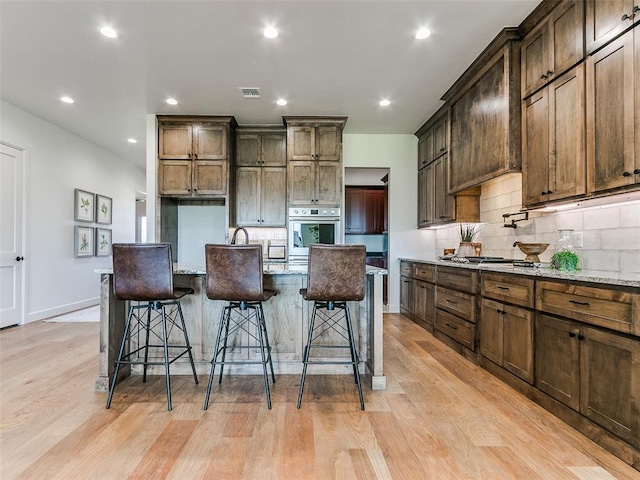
{"x":440,"y":418}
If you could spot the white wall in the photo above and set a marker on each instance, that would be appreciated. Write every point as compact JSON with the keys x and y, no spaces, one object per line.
{"x":57,"y":162}
{"x":398,"y":153}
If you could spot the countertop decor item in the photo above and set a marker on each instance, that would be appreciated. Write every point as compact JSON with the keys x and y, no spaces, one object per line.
{"x":467,"y":234}
{"x":531,"y":250}
{"x":566,"y":261}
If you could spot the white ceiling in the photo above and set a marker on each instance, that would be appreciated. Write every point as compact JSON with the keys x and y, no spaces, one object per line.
{"x":332,"y":57}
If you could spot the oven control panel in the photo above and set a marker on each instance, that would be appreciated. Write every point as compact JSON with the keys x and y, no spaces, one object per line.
{"x":314,"y":212}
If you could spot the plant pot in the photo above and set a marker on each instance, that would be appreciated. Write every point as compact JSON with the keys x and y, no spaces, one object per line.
{"x":466,"y":249}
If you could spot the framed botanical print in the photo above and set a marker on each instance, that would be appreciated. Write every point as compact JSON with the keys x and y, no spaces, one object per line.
{"x":103,"y":209}
{"x":83,"y":241}
{"x":84,"y":209}
{"x":103,"y":242}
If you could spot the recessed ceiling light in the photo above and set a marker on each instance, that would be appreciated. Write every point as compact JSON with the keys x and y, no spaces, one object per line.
{"x":132,"y":140}
{"x":423,"y":33}
{"x":66,"y":99}
{"x":108,"y":32}
{"x":384,"y":103}
{"x":282,"y":102}
{"x":172,"y":101}
{"x":270,"y":32}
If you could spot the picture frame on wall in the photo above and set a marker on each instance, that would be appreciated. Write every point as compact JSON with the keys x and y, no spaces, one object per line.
{"x":84,"y":209}
{"x":83,"y":241}
{"x":103,"y":209}
{"x":103,"y":242}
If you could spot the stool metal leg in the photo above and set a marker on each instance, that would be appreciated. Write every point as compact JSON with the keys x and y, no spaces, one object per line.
{"x":186,"y":338}
{"x":125,"y":335}
{"x":305,"y":356}
{"x":215,"y":356}
{"x":263,"y":325}
{"x":354,"y":355}
{"x":265,"y":359}
{"x":146,"y":347}
{"x":225,"y":340}
{"x":166,"y":356}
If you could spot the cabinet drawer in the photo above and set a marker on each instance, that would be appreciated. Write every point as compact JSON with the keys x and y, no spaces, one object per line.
{"x":508,"y":288}
{"x":458,"y":303}
{"x":424,"y":272}
{"x":456,"y":328}
{"x":618,"y":310}
{"x":458,"y":279}
{"x":406,"y":269}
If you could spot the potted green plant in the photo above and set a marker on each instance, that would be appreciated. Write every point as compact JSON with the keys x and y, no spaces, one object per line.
{"x":467,"y":234}
{"x":565,"y":260}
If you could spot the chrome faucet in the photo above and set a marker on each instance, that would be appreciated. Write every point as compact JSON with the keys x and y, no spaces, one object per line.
{"x":235,"y":235}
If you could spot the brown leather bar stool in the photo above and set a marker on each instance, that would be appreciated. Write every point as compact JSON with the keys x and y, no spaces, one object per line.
{"x":143,"y":272}
{"x":336,"y":276}
{"x":234,"y":275}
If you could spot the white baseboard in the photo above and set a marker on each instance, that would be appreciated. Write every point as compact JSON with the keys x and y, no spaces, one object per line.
{"x":60,"y":310}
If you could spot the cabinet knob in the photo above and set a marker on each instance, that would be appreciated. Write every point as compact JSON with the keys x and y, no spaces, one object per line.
{"x":549,"y":192}
{"x":543,"y":76}
{"x":637,"y":171}
{"x":626,"y":174}
{"x":543,"y":193}
{"x":580,"y":337}
{"x":627,"y":17}
{"x":549,"y":73}
{"x":571,"y":334}
{"x":19,"y":259}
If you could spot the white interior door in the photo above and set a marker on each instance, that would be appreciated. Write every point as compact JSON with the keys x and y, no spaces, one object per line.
{"x":11,"y":264}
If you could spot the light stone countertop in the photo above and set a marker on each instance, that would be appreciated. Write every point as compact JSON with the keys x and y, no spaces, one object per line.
{"x":542,"y":272}
{"x":268,"y":269}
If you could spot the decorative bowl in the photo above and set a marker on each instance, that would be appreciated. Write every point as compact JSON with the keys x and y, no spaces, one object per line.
{"x":531,"y":250}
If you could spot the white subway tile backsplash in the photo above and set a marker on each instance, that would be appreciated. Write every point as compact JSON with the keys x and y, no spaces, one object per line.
{"x":630,"y":215}
{"x":621,"y":239}
{"x":604,"y":260}
{"x":631,"y":260}
{"x":592,"y":239}
{"x":602,"y":218}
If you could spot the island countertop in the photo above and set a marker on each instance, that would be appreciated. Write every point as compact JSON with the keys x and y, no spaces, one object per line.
{"x":588,"y":276}
{"x":268,"y":269}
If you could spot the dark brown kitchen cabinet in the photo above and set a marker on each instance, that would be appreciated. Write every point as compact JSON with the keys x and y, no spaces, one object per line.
{"x":592,"y":371}
{"x":605,"y":19}
{"x":426,"y":199}
{"x":553,"y":140}
{"x":613,"y":131}
{"x":194,"y":155}
{"x":553,"y":46}
{"x":261,"y":177}
{"x":444,"y":207}
{"x":425,"y":148}
{"x":406,"y":294}
{"x":374,"y":201}
{"x":364,"y":210}
{"x":485,"y":116}
{"x":440,"y":136}
{"x":354,"y":210}
{"x":424,"y":304}
{"x":506,"y":337}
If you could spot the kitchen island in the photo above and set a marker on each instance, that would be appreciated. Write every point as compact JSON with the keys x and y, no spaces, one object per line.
{"x":287,"y":316}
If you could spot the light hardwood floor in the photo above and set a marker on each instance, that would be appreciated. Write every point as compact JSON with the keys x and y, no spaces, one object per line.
{"x":440,"y":418}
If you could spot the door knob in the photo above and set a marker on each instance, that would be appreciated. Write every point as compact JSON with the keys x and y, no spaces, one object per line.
{"x":19,"y":259}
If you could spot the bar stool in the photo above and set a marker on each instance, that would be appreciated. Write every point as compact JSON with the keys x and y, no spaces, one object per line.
{"x":336,"y":275}
{"x":234,"y":275}
{"x":144,"y":273}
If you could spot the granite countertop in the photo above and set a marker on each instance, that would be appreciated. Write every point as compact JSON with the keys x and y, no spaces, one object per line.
{"x":268,"y":269}
{"x":542,"y":272}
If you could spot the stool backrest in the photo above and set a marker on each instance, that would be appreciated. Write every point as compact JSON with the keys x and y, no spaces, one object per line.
{"x":234,"y":272}
{"x":336,"y":272}
{"x":142,"y":271}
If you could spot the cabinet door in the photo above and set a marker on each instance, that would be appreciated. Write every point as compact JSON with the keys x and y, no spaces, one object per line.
{"x":354,"y":211}
{"x":301,"y":143}
{"x":535,"y":59}
{"x":328,"y":183}
{"x":610,"y":116}
{"x":440,"y":135}
{"x":301,"y":182}
{"x":373,"y":211}
{"x":558,"y":359}
{"x":535,"y":148}
{"x":610,"y":382}
{"x":328,"y":143}
{"x":492,"y":331}
{"x":210,"y":177}
{"x":518,"y":342}
{"x":604,"y":20}
{"x":210,"y":142}
{"x":174,"y":141}
{"x":273,"y":189}
{"x":248,"y":146}
{"x":425,"y":196}
{"x":424,"y":303}
{"x":406,"y":294}
{"x":174,"y":177}
{"x":248,"y":196}
{"x":425,"y":149}
{"x":444,"y":205}
{"x":567,"y":36}
{"x":567,"y":156}
{"x":274,"y":150}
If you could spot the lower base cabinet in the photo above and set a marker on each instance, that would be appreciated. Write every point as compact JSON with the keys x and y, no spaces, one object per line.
{"x":424,"y":296}
{"x":592,"y":371}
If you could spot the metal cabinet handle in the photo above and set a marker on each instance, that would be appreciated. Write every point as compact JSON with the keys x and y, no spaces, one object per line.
{"x":575,"y":302}
{"x":626,"y":174}
{"x":543,"y":76}
{"x":549,"y":192}
{"x":627,"y":17}
{"x":549,"y":72}
{"x":580,"y":337}
{"x":451,"y":326}
{"x":451,"y":301}
{"x":19,"y":259}
{"x":571,"y":334}
{"x":637,"y":171}
{"x":503,"y":288}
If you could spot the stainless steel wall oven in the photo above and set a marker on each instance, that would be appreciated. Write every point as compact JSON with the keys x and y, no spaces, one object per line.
{"x":309,"y":225}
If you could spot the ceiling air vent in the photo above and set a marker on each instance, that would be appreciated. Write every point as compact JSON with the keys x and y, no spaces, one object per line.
{"x":250,"y":92}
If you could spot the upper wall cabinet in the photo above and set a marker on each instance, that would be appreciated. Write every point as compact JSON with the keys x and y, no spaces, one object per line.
{"x":606,"y":19}
{"x":314,"y":160}
{"x":194,"y":154}
{"x":485,"y":115}
{"x":613,"y":119}
{"x":553,"y":46}
{"x":433,"y":137}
